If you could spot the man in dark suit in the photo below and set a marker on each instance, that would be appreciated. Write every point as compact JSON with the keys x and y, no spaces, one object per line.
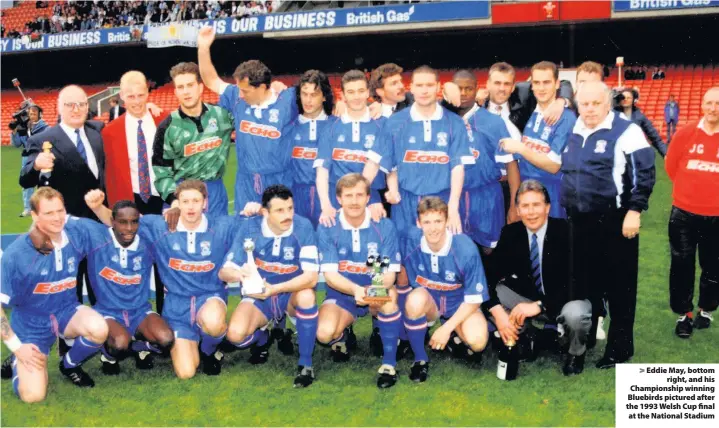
{"x":530,"y":278}
{"x":76,"y":158}
{"x":115,"y":109}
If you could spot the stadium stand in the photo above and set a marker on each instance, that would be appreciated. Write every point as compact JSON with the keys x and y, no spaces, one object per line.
{"x":686,"y":82}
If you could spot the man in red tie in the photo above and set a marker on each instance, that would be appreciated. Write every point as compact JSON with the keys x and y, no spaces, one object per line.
{"x":128,"y":151}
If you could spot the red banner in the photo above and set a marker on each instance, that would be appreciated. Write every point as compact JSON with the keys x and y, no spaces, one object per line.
{"x":550,"y":11}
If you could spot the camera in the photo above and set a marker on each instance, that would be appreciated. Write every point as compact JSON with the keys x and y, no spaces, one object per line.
{"x":21,"y":117}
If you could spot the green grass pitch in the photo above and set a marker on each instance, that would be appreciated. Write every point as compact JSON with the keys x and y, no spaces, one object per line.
{"x":346,"y":395}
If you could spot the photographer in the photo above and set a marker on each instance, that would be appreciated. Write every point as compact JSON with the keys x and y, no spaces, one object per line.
{"x":29,"y":122}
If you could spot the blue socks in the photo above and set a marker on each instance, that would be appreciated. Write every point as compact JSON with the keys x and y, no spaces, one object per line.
{"x":208,"y":344}
{"x":259,"y":337}
{"x":416,"y":330}
{"x":402,"y":293}
{"x":306,"y":333}
{"x":389,"y":327}
{"x":81,"y":350}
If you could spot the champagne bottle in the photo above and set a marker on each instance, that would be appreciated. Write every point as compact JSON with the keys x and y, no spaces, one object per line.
{"x":508,"y":364}
{"x":47,"y":172}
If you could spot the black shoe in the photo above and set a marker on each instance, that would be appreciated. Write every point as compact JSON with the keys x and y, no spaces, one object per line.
{"x":375,"y":343}
{"x":403,"y":349}
{"x":305,"y":377}
{"x":475,"y":358}
{"x":6,"y":371}
{"x":573,"y":364}
{"x":609,"y":362}
{"x":211,"y":364}
{"x":419,"y":371}
{"x":684,"y":327}
{"x":340,"y":353}
{"x":456,"y":347}
{"x":226,"y":346}
{"x":62,"y":347}
{"x":703,"y":320}
{"x":350,"y":338}
{"x":387,"y":377}
{"x":110,"y":368}
{"x":527,"y":351}
{"x":284,"y":342}
{"x":77,"y":376}
{"x":259,"y":354}
{"x":143,"y":360}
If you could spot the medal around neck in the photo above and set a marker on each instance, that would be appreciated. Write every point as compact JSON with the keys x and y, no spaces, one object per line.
{"x":254,"y":284}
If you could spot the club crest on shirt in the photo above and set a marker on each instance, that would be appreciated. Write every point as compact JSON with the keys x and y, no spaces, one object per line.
{"x":601,"y":146}
{"x":262,"y":252}
{"x":44,"y":272}
{"x":176,"y":246}
{"x":137,"y":263}
{"x":412,"y":140}
{"x":479,"y":287}
{"x":230,"y":256}
{"x":341,"y":139}
{"x":545,"y":132}
{"x":71,"y":264}
{"x":372,"y":249}
{"x":247,"y":110}
{"x":448,"y":275}
{"x":441,"y":139}
{"x":398,"y":256}
{"x":421,"y":267}
{"x":368,"y":141}
{"x":289,"y":253}
{"x":211,"y":125}
{"x":274,"y":115}
{"x":205,"y":248}
{"x":297,"y":137}
{"x":186,"y":134}
{"x":115,"y":259}
{"x":342,"y":251}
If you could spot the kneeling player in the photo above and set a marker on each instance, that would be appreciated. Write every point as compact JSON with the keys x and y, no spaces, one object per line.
{"x":449,"y":283}
{"x":344,"y":249}
{"x":285,"y":252}
{"x":38,"y":282}
{"x":121,"y":267}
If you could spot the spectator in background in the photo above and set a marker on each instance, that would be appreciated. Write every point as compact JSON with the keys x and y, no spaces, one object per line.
{"x":694,"y":221}
{"x":671,"y":117}
{"x":35,"y":125}
{"x":115,"y":109}
{"x":628,"y":98}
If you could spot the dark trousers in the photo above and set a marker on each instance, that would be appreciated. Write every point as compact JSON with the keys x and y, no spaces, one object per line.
{"x":606,"y":263}
{"x":671,"y":129}
{"x":83,"y":276}
{"x":153,"y":206}
{"x":688,"y":231}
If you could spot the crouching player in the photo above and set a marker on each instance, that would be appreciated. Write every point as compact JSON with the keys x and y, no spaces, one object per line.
{"x":189,"y":260}
{"x":448,"y":282}
{"x":344,"y":249}
{"x":121,"y":266}
{"x":38,"y":281}
{"x":285,"y":252}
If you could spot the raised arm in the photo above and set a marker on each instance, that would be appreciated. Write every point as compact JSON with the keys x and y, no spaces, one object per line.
{"x":208,"y":73}
{"x":94,"y":199}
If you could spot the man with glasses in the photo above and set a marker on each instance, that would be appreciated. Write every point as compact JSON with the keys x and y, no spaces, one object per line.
{"x":76,"y":160}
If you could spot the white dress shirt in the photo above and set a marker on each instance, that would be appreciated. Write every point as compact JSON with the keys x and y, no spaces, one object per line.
{"x":91,"y":161}
{"x":503,"y":111}
{"x":541,"y":233}
{"x":149,"y":129}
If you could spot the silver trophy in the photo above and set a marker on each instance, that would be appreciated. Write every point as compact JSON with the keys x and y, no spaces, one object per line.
{"x":254,"y":284}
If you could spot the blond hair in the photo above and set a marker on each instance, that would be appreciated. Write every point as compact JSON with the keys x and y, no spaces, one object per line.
{"x":132,"y":77}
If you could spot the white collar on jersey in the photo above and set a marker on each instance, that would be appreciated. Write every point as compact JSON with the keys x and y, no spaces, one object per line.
{"x":64,"y":240}
{"x":388,"y":109}
{"x":346,"y":226}
{"x":703,"y":127}
{"x":445,"y":248}
{"x":414,"y":114}
{"x":302,"y":119}
{"x":581,"y":128}
{"x":132,"y":247}
{"x":268,"y":233}
{"x":365,"y":117}
{"x":271,"y":100}
{"x":471,"y":112}
{"x":202,"y":228}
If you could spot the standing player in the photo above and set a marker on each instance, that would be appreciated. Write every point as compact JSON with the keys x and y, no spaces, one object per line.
{"x":542,"y":144}
{"x":120,"y":265}
{"x":38,"y":281}
{"x":387,"y":87}
{"x":343,"y":147}
{"x":314,"y":101}
{"x":192,"y":142}
{"x":261,"y":119}
{"x":286,"y":257}
{"x":190,"y":259}
{"x":425,"y":147}
{"x":344,"y":248}
{"x":448,"y":282}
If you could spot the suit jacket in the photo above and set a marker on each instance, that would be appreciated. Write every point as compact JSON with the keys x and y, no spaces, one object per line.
{"x":71,"y":176}
{"x":113,"y":116}
{"x":119,"y":183}
{"x":511,"y":265}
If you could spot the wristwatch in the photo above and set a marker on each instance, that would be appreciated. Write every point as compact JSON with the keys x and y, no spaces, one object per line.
{"x":541,"y":306}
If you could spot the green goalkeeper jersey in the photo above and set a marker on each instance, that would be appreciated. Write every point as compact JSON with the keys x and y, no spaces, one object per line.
{"x":188,"y":147}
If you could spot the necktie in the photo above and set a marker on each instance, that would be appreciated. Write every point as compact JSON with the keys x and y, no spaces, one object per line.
{"x":498,"y":110}
{"x":536,"y":268}
{"x":80,"y":147}
{"x":143,"y":167}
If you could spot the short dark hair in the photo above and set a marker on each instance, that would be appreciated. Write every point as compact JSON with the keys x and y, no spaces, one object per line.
{"x":351,"y":180}
{"x":275,"y":191}
{"x":320,"y":80}
{"x":256,"y":72}
{"x":354,"y":76}
{"x":186,"y":68}
{"x":121,"y":205}
{"x":465,"y":74}
{"x":502,"y":67}
{"x":425,"y":69}
{"x":191,"y":184}
{"x":381,"y":73}
{"x":547,"y":65}
{"x":532,"y":186}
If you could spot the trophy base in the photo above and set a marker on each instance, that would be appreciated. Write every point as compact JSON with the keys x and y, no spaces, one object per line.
{"x":253,"y":286}
{"x":377,"y":295}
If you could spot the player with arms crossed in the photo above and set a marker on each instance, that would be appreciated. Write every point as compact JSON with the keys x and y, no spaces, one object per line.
{"x":344,"y":249}
{"x":448,"y":283}
{"x":285,"y":255}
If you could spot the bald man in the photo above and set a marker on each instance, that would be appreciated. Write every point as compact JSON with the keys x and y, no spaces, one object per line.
{"x":608,"y":176}
{"x":76,"y":158}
